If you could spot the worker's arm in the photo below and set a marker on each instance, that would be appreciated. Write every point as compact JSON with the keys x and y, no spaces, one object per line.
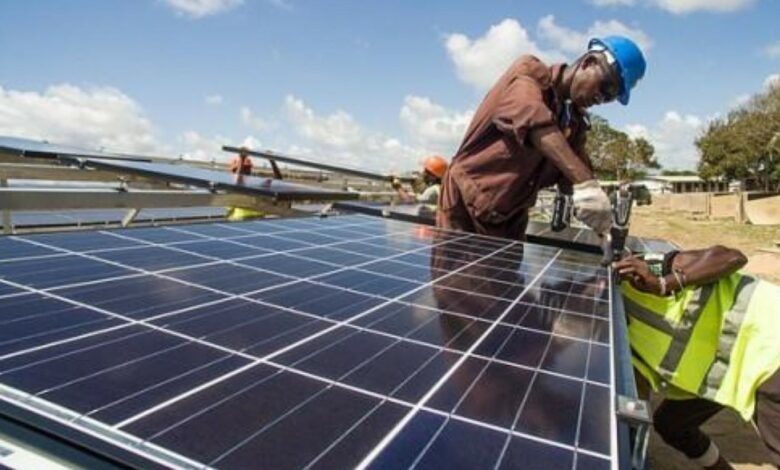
{"x":689,"y":268}
{"x":550,"y":141}
{"x":404,"y":195}
{"x":699,"y":267}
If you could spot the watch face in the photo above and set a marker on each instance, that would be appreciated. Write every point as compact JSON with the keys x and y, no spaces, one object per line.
{"x":655,"y":262}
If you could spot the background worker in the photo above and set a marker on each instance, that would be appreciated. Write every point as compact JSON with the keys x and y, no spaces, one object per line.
{"x":434,"y":168}
{"x":706,"y":337}
{"x":241,"y":165}
{"x":529,"y":133}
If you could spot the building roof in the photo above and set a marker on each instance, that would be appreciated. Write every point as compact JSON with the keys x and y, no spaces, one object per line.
{"x":682,"y":179}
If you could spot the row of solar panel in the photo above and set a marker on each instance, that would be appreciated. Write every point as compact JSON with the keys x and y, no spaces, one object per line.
{"x":276,"y":189}
{"x":317,"y":342}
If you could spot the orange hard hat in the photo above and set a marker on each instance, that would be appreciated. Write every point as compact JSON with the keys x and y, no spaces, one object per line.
{"x":435,"y":165}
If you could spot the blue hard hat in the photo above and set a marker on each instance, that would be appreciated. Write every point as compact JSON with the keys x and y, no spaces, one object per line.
{"x":626,"y":57}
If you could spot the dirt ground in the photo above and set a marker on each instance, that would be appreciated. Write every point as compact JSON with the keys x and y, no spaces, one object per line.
{"x":737,"y":440}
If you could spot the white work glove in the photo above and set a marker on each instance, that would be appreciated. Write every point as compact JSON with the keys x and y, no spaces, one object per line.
{"x":592,"y":206}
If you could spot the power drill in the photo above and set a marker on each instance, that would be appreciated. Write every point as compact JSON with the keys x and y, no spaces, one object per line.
{"x":612,"y":244}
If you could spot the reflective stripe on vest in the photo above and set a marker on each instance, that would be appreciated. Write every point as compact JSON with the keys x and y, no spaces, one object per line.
{"x":728,"y":336}
{"x":680,"y":332}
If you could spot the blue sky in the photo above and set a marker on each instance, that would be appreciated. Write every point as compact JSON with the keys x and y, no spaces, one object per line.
{"x":365,"y":83}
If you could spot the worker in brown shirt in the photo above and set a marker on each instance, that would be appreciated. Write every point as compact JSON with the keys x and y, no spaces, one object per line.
{"x":529,"y":133}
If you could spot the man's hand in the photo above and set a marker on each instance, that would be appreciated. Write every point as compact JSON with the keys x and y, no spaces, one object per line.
{"x":638,"y":274}
{"x":592,"y":207}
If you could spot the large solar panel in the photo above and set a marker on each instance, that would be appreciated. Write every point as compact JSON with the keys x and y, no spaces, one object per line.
{"x":252,"y":185}
{"x":41,"y":149}
{"x":320,"y":343}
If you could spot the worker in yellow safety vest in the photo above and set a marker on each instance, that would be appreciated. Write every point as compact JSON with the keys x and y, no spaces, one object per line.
{"x":707,"y":337}
{"x":241,"y":166}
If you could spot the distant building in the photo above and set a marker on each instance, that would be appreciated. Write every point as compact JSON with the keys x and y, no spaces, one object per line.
{"x":690,"y":184}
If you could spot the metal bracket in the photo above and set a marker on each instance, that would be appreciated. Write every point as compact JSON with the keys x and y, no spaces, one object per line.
{"x":130,"y":216}
{"x":276,"y":170}
{"x":634,"y":411}
{"x":325,"y":211}
{"x":6,"y":213}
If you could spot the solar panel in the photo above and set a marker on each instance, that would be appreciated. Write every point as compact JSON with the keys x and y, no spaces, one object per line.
{"x":321,"y":343}
{"x":252,"y":185}
{"x":42,"y":149}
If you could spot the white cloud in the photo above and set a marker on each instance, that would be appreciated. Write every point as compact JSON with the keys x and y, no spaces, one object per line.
{"x":740,"y":100}
{"x":479,"y":62}
{"x":249,"y":119}
{"x":433,"y":127}
{"x":201,"y":8}
{"x":610,"y":3}
{"x":772,"y":80}
{"x":680,"y":7}
{"x":688,"y":6}
{"x":773,"y":51}
{"x":100,"y":117}
{"x":673,"y":138}
{"x":200,"y":147}
{"x":575,"y":42}
{"x":214,"y":100}
{"x":342,"y":140}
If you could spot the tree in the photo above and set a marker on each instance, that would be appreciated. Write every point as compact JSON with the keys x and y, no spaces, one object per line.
{"x":615,"y":155}
{"x":743,"y":144}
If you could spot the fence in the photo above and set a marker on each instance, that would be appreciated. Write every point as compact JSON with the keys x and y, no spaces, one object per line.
{"x":755,"y":208}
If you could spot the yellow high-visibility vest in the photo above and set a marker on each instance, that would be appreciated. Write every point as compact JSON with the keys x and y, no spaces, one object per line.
{"x":718,"y":341}
{"x":240,"y":213}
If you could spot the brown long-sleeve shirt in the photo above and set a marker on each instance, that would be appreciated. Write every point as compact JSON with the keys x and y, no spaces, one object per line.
{"x":497,"y":171}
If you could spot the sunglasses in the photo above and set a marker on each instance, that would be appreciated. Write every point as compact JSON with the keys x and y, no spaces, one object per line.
{"x":610,"y":84}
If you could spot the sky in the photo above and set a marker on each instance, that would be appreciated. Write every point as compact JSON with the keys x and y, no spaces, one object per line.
{"x":363,"y":83}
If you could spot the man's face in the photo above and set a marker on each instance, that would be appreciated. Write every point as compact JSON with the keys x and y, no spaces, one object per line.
{"x":595,"y":82}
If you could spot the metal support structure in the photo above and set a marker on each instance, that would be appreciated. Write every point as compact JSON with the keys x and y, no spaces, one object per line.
{"x":7,"y":227}
{"x":269,"y":155}
{"x":277,"y":171}
{"x":130,"y":216}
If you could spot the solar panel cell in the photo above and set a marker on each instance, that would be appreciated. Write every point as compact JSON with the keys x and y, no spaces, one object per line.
{"x":50,"y":272}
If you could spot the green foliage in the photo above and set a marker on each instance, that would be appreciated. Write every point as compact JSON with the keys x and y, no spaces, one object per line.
{"x":745,"y":144}
{"x":617,"y":156}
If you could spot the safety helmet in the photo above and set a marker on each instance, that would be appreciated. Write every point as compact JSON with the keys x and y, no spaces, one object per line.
{"x":625,"y":56}
{"x":435,"y":165}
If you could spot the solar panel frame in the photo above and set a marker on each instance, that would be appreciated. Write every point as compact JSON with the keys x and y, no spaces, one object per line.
{"x":42,"y":149}
{"x":305,"y":225}
{"x":212,"y":179}
{"x":574,"y":238}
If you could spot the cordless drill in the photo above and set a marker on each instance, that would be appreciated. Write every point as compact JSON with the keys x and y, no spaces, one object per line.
{"x":613,"y":243}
